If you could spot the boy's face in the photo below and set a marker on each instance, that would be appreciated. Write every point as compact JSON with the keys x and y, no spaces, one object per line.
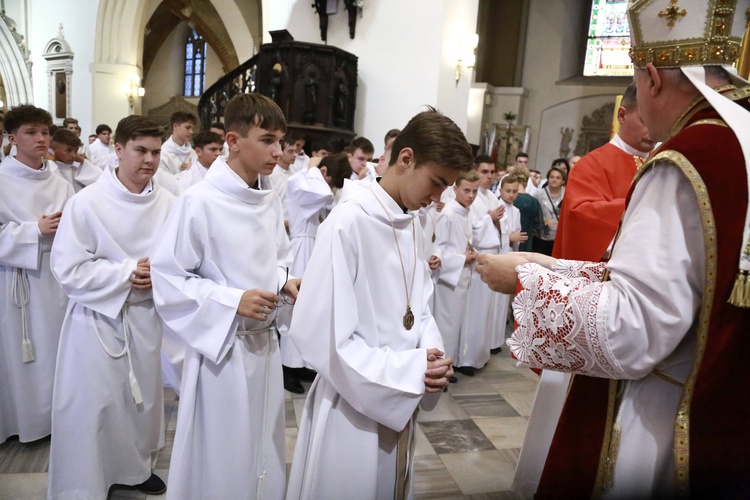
{"x":466,"y":192}
{"x":486,"y":173}
{"x":299,"y":145}
{"x":183,"y":132}
{"x":509,"y":192}
{"x":104,"y":136}
{"x":32,"y":143}
{"x":92,"y":138}
{"x":536,"y":178}
{"x":73,"y":127}
{"x":358,"y":159}
{"x":139,"y":159}
{"x":208,"y":153}
{"x":259,"y":151}
{"x":321,"y":153}
{"x":383,"y":160}
{"x":420,"y":186}
{"x":288,"y":154}
{"x":64,"y":153}
{"x":218,"y":131}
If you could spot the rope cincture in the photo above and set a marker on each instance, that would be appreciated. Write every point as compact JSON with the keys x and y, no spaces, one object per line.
{"x":21,"y":296}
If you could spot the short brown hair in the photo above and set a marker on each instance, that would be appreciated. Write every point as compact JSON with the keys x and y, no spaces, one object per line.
{"x":135,"y":126}
{"x":207,"y":137}
{"x":246,"y":111}
{"x":65,"y":137}
{"x":434,"y":138}
{"x":468,"y":176}
{"x":511,"y":179}
{"x":181,"y":117}
{"x":26,"y":114}
{"x":338,"y":168}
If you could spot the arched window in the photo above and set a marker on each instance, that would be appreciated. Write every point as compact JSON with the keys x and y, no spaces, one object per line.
{"x":195,"y":64}
{"x":608,"y":40}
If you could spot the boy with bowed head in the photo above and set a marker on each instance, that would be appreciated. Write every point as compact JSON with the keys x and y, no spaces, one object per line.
{"x":378,"y":352}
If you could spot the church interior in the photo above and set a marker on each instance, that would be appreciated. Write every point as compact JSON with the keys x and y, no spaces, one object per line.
{"x":514,"y":75}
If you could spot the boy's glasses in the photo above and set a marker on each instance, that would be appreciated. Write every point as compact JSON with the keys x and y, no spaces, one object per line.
{"x":284,"y":298}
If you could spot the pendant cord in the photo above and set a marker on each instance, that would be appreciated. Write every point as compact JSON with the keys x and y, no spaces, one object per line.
{"x":398,"y":249}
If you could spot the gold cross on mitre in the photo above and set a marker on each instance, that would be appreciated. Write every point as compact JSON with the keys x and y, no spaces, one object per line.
{"x":672,"y":13}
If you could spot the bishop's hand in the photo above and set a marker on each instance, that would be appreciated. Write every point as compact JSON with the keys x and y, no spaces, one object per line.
{"x":499,"y":271}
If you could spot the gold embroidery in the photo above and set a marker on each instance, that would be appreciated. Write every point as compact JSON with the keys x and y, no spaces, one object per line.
{"x":682,"y":422}
{"x":672,"y":13}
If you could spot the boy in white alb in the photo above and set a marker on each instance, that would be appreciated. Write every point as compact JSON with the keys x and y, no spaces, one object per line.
{"x":108,"y":409}
{"x":207,"y":147}
{"x":512,"y":236}
{"x":102,"y":145}
{"x":177,"y":154}
{"x":483,"y":305}
{"x":281,"y":174}
{"x":218,"y":270}
{"x":454,"y":239}
{"x":377,"y":350}
{"x":32,"y":303}
{"x":309,"y":197}
{"x":79,"y":174}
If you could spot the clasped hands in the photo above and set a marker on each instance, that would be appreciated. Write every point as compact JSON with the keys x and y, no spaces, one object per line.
{"x":438,"y":371}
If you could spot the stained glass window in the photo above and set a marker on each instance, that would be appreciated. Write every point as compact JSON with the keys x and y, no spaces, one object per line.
{"x":608,"y":40}
{"x":195,"y":68}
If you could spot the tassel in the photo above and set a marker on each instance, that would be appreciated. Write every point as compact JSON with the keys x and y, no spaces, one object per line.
{"x":28,"y":351}
{"x":739,"y":296}
{"x":135,"y":389}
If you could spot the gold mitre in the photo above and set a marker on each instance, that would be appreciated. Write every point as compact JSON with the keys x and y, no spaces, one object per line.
{"x":674,"y":33}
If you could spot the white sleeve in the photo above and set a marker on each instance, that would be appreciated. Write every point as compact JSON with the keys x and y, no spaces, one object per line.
{"x":451,"y":262}
{"x":382,"y":384}
{"x":86,"y":270}
{"x":200,"y":311}
{"x":624,"y":327}
{"x":20,"y":244}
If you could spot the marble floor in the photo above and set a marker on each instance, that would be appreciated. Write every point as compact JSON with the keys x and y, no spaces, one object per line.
{"x":467,"y":447}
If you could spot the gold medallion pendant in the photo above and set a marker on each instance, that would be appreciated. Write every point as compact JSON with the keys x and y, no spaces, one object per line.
{"x":408,"y":318}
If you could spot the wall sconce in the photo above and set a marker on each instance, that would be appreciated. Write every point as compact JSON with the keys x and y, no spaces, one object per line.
{"x":466,"y":56}
{"x":133,"y":89}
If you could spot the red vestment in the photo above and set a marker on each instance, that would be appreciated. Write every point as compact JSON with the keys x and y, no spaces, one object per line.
{"x":594,"y":203}
{"x":712,"y":440}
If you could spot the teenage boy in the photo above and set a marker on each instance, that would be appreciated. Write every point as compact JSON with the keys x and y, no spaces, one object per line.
{"x":108,"y":409}
{"x":377,"y":350}
{"x":32,"y":303}
{"x":177,"y":153}
{"x":207,"y":147}
{"x":219,"y":128}
{"x":454,"y":240}
{"x":101,"y":146}
{"x":78,"y":171}
{"x":360,"y":153}
{"x":321,"y":149}
{"x":308,"y":197}
{"x":218,"y":271}
{"x":483,"y":315}
{"x":281,"y":174}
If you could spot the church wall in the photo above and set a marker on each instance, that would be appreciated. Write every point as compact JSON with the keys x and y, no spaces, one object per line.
{"x":402,"y":50}
{"x":166,"y":77}
{"x":551,"y":105}
{"x":78,"y":18}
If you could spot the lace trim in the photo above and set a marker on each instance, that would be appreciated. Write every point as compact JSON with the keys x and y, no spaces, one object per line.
{"x":594,"y":271}
{"x":562,"y":323}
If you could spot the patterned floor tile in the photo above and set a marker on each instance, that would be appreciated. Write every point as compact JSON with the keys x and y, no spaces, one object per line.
{"x":432,"y":480}
{"x":481,"y":472}
{"x":503,"y":432}
{"x":455,"y":436}
{"x":485,"y":405}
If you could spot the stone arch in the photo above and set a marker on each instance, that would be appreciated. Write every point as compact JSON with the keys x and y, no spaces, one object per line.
{"x":13,"y":68}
